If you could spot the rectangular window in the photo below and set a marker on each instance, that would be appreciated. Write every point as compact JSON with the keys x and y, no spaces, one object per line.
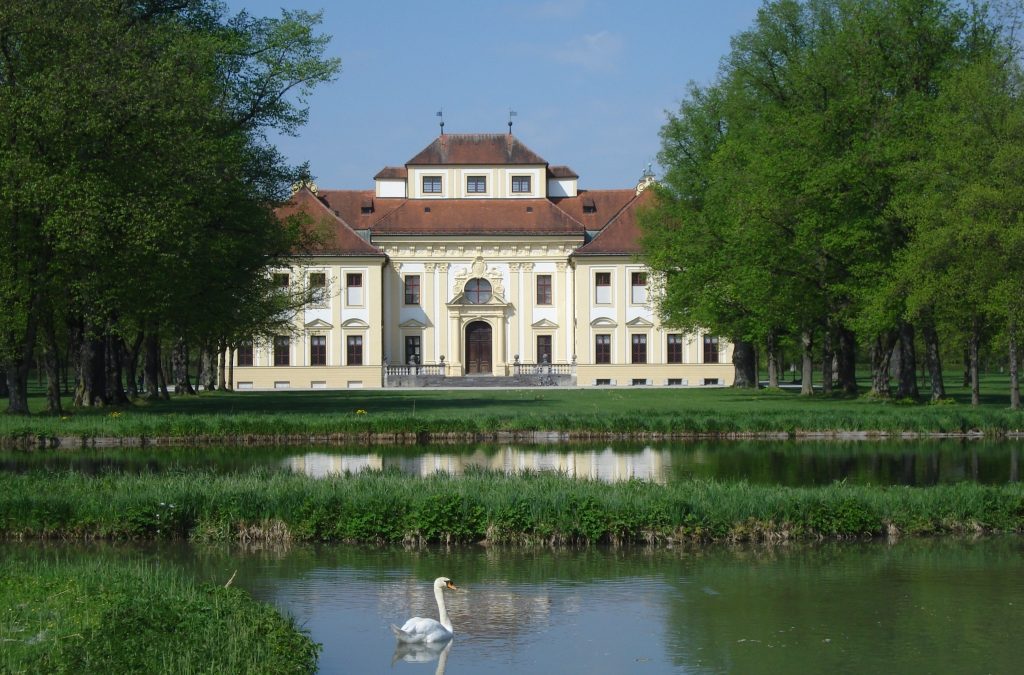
{"x":520,"y":184}
{"x":281,"y":279}
{"x":675,"y":348}
{"x":711,"y":381}
{"x":638,"y":288}
{"x":710,"y":349}
{"x":639,"y":353}
{"x":603,"y":288}
{"x":412,"y":289}
{"x":412,"y":350}
{"x":639,"y":382}
{"x":354,"y":289}
{"x":318,"y":350}
{"x":675,"y":382}
{"x":602,"y":382}
{"x":602,"y":349}
{"x":318,"y":286}
{"x":432,"y":185}
{"x":282,"y":350}
{"x":476,"y":184}
{"x":354,"y":350}
{"x":244,"y":353}
{"x":543,"y":289}
{"x":544,"y":349}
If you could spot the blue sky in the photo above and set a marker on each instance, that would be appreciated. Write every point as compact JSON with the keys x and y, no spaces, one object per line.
{"x":590,"y":80}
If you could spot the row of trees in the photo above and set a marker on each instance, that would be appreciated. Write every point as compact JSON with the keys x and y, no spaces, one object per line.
{"x":854,"y":178}
{"x":137,"y":185}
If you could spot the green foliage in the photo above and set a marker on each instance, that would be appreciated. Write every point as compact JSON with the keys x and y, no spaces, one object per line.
{"x":482,"y":506}
{"x":65,"y":616}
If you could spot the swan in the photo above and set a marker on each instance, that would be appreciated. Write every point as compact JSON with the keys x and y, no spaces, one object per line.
{"x":418,"y":629}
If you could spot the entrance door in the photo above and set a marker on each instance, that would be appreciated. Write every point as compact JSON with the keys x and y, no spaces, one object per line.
{"x":478,"y":348}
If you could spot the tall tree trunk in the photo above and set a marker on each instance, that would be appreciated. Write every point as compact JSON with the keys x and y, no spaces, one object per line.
{"x":967,"y":364}
{"x":745,"y":363}
{"x":807,"y":369}
{"x":222,"y":364}
{"x":179,"y":368}
{"x":115,"y":370}
{"x":907,"y":387}
{"x":92,"y":388}
{"x":826,"y":361}
{"x":207,"y":367}
{"x":931,"y":346}
{"x":846,"y":361}
{"x":51,"y":364}
{"x":231,"y":368}
{"x":162,"y":379}
{"x":881,"y":353}
{"x":18,"y":369}
{"x":131,"y":361}
{"x":1014,"y":367}
{"x":152,"y":366}
{"x":772,"y":349}
{"x":973,"y":343}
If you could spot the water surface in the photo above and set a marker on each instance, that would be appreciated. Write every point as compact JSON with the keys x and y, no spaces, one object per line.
{"x":923,"y":606}
{"x":790,"y":463}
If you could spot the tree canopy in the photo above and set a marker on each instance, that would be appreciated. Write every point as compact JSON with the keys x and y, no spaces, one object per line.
{"x":848,"y":179}
{"x":136,"y":176}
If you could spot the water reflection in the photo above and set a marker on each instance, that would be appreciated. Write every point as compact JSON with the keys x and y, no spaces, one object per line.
{"x":930,"y":605}
{"x":779,"y":462}
{"x":792,"y":463}
{"x":423,"y":653}
{"x":605,"y":464}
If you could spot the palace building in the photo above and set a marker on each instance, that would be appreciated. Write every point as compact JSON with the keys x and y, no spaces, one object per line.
{"x":477,"y":263}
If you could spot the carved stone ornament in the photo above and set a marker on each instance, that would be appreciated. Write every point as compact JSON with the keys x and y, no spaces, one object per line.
{"x":479,"y":270}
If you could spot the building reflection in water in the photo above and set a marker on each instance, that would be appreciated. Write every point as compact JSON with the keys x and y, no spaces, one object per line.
{"x":605,"y":464}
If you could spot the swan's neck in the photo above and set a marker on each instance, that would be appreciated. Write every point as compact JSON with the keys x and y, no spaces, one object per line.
{"x":441,"y":609}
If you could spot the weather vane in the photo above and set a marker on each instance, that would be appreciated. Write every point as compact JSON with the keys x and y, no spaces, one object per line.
{"x":440,"y":113}
{"x":511,"y":113}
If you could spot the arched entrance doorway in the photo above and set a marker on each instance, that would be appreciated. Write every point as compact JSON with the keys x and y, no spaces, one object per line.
{"x":478,"y":348}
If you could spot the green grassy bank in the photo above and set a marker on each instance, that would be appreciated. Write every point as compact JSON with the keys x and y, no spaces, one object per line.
{"x":472,"y":415}
{"x":484,"y":507}
{"x":104,"y":616}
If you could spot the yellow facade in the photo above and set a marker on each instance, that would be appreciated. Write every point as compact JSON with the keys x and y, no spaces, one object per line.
{"x":485,"y":293}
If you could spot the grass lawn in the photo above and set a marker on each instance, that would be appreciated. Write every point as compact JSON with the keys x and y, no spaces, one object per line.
{"x":96,"y":616}
{"x":640,"y":410}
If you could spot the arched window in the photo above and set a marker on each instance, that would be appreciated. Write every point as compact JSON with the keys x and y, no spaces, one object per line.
{"x":478,"y":291}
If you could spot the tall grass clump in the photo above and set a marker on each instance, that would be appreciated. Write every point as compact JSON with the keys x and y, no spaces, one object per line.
{"x":103,"y":616}
{"x":543,"y":508}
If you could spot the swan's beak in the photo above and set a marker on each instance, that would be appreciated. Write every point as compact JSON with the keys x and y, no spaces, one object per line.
{"x":451,"y":586}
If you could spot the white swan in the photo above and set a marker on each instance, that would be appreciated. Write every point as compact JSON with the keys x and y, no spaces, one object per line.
{"x":418,"y":629}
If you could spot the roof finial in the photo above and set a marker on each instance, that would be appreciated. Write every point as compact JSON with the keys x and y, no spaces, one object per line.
{"x":440,"y":113}
{"x":511,"y":113}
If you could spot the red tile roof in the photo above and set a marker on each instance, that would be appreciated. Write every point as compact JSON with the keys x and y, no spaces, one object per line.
{"x":605,"y":203}
{"x":392,"y":172}
{"x":337,"y":237}
{"x":478,"y":216}
{"x":349,"y":206}
{"x":621,"y":236}
{"x":562,"y":172}
{"x":476,"y":149}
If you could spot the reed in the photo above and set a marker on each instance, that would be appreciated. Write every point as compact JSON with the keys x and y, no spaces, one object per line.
{"x":105,"y":616}
{"x":548,"y":509}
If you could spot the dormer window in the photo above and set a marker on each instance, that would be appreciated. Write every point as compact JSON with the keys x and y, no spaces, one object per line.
{"x":367,"y":206}
{"x":521,"y":184}
{"x":589,"y":206}
{"x":476,"y":184}
{"x":432,"y":185}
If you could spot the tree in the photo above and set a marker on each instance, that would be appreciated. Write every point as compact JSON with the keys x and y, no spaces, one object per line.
{"x":136,"y":175}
